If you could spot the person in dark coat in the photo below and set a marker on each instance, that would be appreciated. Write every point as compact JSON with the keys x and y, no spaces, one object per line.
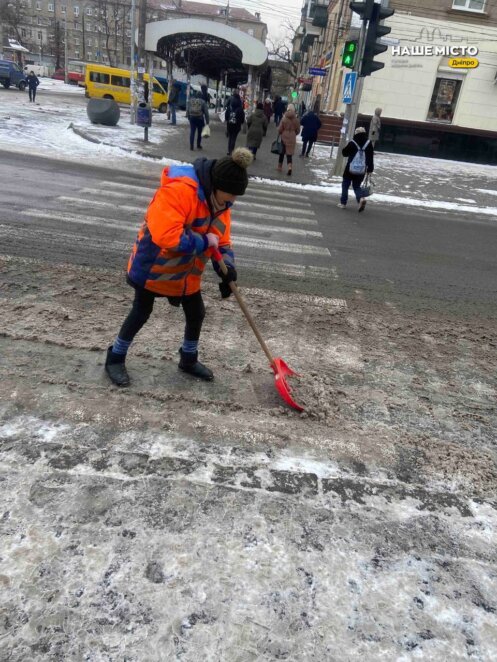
{"x":198,"y":116}
{"x":268,"y":109}
{"x":360,"y":141}
{"x":33,"y":83}
{"x":311,"y":125}
{"x":174,"y":92}
{"x":235,"y":117}
{"x":205,"y":94}
{"x":278,"y":109}
{"x":257,"y":126}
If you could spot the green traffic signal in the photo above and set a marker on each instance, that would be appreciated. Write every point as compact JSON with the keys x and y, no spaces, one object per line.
{"x":349,"y":54}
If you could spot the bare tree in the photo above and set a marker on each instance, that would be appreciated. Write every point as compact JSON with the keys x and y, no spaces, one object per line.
{"x":13,"y":15}
{"x":282,"y":48}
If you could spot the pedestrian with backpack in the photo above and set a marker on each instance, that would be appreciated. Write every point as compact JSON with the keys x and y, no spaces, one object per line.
{"x":198,"y":116}
{"x":360,"y":155}
{"x":235,"y":117}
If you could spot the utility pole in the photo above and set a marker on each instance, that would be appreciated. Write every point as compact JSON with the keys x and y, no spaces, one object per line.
{"x":132,"y":70}
{"x":351,"y":111}
{"x":66,"y":70}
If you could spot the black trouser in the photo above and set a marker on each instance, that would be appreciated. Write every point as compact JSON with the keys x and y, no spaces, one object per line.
{"x":289,"y":157}
{"x":32,"y":93}
{"x":232,"y":136}
{"x":143,"y":304}
{"x":196,"y":125}
{"x":307,"y":146}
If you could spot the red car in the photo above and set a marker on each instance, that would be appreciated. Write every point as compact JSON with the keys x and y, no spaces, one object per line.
{"x":73,"y":77}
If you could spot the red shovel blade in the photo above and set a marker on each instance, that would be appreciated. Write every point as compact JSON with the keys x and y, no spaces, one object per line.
{"x":282,"y":370}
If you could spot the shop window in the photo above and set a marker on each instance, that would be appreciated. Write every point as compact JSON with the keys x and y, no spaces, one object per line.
{"x":444,"y":100}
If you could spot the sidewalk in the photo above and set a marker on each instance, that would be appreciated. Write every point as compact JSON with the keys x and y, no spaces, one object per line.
{"x":403,"y":180}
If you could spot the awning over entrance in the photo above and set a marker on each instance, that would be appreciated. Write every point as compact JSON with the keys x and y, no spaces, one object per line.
{"x":205,"y":47}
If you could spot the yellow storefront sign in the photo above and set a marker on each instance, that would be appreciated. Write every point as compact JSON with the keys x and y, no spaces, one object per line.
{"x":463,"y":62}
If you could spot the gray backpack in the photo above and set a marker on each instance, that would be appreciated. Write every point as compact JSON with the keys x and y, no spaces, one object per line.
{"x":358,"y":164}
{"x":195,"y":108}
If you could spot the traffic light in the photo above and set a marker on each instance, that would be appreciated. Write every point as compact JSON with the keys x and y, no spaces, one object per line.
{"x":364,"y":9}
{"x":372,"y":46}
{"x":349,"y":54}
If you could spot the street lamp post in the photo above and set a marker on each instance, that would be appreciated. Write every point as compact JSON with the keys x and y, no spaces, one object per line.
{"x":66,"y":71}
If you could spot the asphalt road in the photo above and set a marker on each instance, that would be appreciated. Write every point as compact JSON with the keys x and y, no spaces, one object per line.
{"x":429,"y":261}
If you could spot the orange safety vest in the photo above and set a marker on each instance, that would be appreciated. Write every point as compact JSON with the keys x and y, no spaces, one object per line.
{"x":170,"y":251}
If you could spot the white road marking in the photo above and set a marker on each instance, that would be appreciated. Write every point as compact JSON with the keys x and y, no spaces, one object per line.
{"x":126,"y":225}
{"x":146,"y":199}
{"x":152,"y":189}
{"x":266,"y":244}
{"x":297,"y":220}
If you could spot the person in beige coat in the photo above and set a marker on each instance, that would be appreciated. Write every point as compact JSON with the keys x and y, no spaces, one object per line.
{"x":288,"y":129}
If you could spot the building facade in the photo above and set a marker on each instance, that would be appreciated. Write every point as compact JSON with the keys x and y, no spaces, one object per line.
{"x":430,"y":103}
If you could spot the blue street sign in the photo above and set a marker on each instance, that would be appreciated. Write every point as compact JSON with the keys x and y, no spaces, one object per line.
{"x":316,"y":71}
{"x":349,"y":86}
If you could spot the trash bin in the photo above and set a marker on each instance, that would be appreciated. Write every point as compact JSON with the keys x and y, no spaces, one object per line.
{"x":144,"y":114}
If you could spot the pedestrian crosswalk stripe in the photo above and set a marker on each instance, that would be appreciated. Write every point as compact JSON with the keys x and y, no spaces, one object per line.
{"x":265,"y":244}
{"x":241,"y":202}
{"x":153,"y":188}
{"x":133,"y":227}
{"x":282,"y":269}
{"x":296,"y":220}
{"x":146,"y":199}
{"x":88,"y":204}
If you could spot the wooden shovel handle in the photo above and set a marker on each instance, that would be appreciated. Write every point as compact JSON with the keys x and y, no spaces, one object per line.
{"x":219,"y":259}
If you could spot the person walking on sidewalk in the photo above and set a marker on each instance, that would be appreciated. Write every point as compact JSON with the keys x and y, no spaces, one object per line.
{"x":268,"y":109}
{"x":257,"y":127}
{"x":33,"y":83}
{"x":375,"y":126}
{"x":311,"y":124}
{"x":360,"y":154}
{"x":235,"y":117}
{"x":288,"y":129}
{"x":174,"y":92}
{"x":198,"y":116}
{"x":278,"y":109}
{"x":188,"y":217}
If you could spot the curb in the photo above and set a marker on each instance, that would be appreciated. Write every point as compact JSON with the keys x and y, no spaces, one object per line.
{"x":86,"y":136}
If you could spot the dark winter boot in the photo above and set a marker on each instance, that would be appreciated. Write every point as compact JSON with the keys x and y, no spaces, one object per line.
{"x":189,"y":363}
{"x":115,"y":368}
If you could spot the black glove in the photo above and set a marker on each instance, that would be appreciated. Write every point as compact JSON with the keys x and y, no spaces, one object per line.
{"x":224,"y":285}
{"x":225,"y":290}
{"x":230,"y":276}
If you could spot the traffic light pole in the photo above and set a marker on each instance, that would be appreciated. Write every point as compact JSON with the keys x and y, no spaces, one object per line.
{"x":352,"y":109}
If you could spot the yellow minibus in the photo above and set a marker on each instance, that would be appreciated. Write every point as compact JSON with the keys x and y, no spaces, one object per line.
{"x":104,"y":82}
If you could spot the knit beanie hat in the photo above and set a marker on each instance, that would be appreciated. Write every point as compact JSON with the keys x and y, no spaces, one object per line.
{"x":229,"y":174}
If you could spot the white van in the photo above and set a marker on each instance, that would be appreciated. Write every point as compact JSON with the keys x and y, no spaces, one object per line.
{"x":38,"y":69}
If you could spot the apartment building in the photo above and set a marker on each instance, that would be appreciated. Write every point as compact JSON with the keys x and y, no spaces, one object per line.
{"x":235,"y":17}
{"x":97,"y":31}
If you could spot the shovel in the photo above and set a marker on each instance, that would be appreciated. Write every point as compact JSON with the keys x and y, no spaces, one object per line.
{"x":279,"y":367}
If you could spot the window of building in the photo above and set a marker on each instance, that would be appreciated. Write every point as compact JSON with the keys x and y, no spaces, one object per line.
{"x":23,"y":32}
{"x":76,"y":42}
{"x":76,"y":11}
{"x":89,"y":11}
{"x":38,"y":5}
{"x":76,"y":53}
{"x":50,"y":6}
{"x":88,"y":27}
{"x":470,"y":5}
{"x":40,"y":20}
{"x":63,"y":9}
{"x":89,"y":42}
{"x":444,"y":100}
{"x":250,"y":32}
{"x":88,"y":55}
{"x":40,"y":35}
{"x":97,"y":77}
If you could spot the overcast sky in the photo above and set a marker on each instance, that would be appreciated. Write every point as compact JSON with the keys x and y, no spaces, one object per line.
{"x":273,"y":12}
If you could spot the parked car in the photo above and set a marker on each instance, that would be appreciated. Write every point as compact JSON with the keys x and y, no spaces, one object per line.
{"x":12,"y":74}
{"x":73,"y":77}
